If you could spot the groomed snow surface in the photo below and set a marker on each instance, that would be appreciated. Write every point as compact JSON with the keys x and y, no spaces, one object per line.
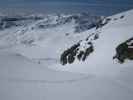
{"x":33,"y":72}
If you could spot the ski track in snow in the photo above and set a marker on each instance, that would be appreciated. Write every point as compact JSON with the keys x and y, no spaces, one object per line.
{"x":47,"y":81}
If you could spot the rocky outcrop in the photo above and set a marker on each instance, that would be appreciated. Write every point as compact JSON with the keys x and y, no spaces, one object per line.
{"x":79,"y":51}
{"x":68,"y":56}
{"x":124,"y":51}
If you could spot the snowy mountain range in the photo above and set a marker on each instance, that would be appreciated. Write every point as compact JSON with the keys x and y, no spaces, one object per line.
{"x":24,"y":27}
{"x":66,"y":57}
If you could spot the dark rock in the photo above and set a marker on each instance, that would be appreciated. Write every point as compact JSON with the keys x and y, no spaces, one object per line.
{"x":122,"y":17}
{"x":96,"y":36}
{"x":69,"y":55}
{"x":71,"y":59}
{"x":80,"y":55}
{"x":124,"y":51}
{"x":63,"y":58}
{"x":88,"y":51}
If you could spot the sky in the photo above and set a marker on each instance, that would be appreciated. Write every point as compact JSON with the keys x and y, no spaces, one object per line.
{"x":129,"y":2}
{"x":106,"y":7}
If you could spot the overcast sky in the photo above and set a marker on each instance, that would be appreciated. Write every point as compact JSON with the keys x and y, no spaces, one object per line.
{"x":126,"y":2}
{"x":103,"y":6}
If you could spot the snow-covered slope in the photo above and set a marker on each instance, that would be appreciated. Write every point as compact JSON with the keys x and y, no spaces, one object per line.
{"x":21,"y":79}
{"x":30,"y":66}
{"x":110,"y":36}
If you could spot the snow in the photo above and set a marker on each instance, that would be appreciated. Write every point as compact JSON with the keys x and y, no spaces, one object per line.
{"x":20,"y":79}
{"x":33,"y":71}
{"x":101,"y":60}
